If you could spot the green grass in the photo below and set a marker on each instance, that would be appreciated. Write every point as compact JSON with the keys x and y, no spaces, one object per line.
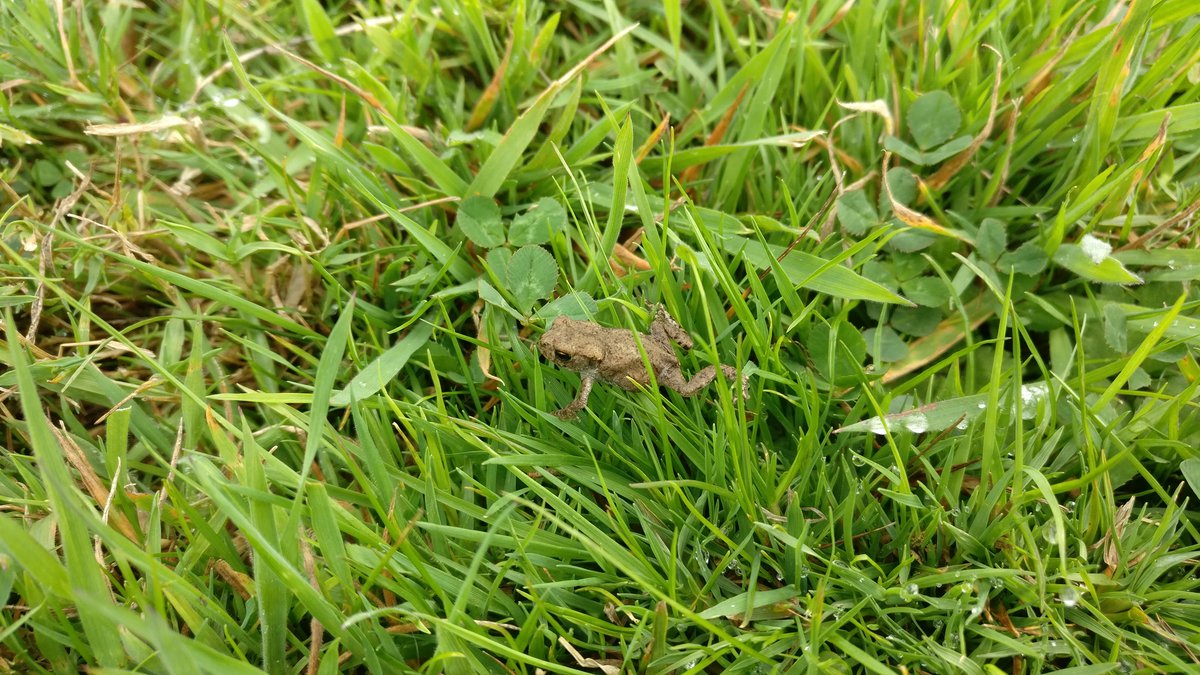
{"x":272,"y":280}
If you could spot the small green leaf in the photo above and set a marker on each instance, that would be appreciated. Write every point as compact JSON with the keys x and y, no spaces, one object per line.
{"x":1169,"y":354}
{"x":483,"y":137}
{"x":933,"y":119}
{"x":46,"y":173}
{"x":1144,"y":319}
{"x":809,"y":271}
{"x":1140,"y":379}
{"x":912,"y":240}
{"x":538,"y":223}
{"x":767,"y":604}
{"x":882,"y":272}
{"x":490,"y":295}
{"x":479,"y":219}
{"x":447,"y":181}
{"x":10,"y":298}
{"x":324,"y":37}
{"x":909,"y":265}
{"x":577,"y":305}
{"x":903,"y":498}
{"x":916,"y":321}
{"x":927,"y":291}
{"x":855,"y":213}
{"x":532,"y":274}
{"x":838,"y":359}
{"x":378,"y":373}
{"x":948,"y":150}
{"x":1165,"y":264}
{"x":904,"y":188}
{"x":1190,"y":468}
{"x":884,"y":344}
{"x":992,"y":239}
{"x":954,"y":412}
{"x":497,"y":261}
{"x":1090,"y":259}
{"x":1029,"y":258}
{"x":1116,"y":332}
{"x":15,"y":135}
{"x":905,"y":150}
{"x":682,"y":159}
{"x":934,"y":156}
{"x":387,"y":159}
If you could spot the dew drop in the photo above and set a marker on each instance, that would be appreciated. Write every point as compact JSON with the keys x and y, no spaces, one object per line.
{"x":1069,"y":597}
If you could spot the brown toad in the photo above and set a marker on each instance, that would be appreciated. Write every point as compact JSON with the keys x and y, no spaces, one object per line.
{"x":612,"y":354}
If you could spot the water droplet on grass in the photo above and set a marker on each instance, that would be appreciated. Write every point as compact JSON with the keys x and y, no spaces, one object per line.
{"x":1069,"y":597}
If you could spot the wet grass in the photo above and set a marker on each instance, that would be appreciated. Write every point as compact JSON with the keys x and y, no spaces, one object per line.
{"x":273,"y":274}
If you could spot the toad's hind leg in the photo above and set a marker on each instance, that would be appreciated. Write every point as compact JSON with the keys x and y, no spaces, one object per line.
{"x":702,"y":379}
{"x":664,"y":329}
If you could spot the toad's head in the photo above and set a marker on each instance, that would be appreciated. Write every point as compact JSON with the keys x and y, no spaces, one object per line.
{"x":571,"y":344}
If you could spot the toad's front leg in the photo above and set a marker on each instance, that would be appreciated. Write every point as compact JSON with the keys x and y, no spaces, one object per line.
{"x":585,"y":390}
{"x":664,"y":329}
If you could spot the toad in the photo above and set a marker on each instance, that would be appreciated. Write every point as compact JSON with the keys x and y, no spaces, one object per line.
{"x":612,"y":355}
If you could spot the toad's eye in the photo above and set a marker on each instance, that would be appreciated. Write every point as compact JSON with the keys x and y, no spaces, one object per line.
{"x":561,"y":356}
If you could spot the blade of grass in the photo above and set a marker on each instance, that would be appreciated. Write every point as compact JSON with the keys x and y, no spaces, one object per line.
{"x":508,"y":153}
{"x":1139,"y":355}
{"x":81,"y":566}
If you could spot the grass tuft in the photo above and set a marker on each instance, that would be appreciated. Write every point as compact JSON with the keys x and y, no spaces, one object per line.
{"x":272,"y":278}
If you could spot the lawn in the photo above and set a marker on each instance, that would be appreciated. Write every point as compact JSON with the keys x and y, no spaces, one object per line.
{"x":273,"y":278}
